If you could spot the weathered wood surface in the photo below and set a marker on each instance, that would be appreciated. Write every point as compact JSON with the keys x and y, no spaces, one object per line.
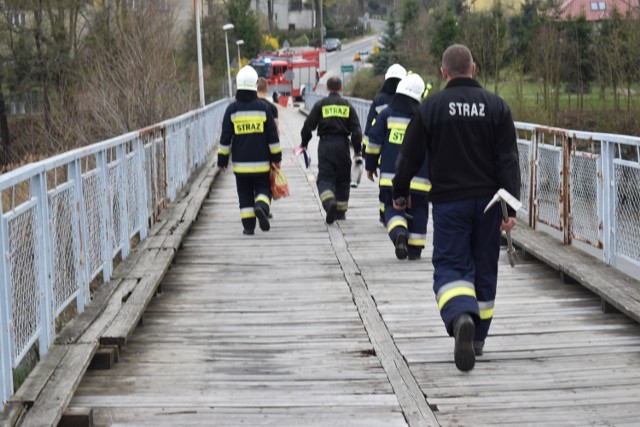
{"x":616,"y":288}
{"x":281,"y":328}
{"x":115,"y":311}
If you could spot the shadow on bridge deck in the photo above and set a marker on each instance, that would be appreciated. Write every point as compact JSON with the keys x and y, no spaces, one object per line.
{"x":311,"y":324}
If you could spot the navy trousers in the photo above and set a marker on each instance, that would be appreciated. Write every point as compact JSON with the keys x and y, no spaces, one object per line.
{"x":334,"y":171}
{"x":253,"y":190}
{"x":466,"y":246}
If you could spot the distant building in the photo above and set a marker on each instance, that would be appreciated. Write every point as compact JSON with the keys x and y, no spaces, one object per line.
{"x":289,"y":14}
{"x":596,"y":10}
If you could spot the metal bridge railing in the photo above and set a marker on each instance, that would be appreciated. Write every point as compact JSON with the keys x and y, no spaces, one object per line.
{"x":66,"y":218}
{"x":583,"y":188}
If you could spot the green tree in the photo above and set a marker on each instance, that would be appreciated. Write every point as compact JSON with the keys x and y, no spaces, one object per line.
{"x":391,"y":42}
{"x":444,"y":34}
{"x":523,"y":28}
{"x":410,"y":14}
{"x":578,"y":71}
{"x":246,"y":25}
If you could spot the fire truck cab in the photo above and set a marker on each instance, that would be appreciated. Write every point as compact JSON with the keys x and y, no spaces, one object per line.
{"x":291,"y":73}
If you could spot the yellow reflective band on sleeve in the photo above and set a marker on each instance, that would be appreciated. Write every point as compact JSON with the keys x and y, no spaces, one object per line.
{"x":397,"y":221}
{"x":224,"y":150}
{"x":275,"y":148}
{"x":420,"y":186}
{"x":396,"y":136}
{"x":382,"y":207}
{"x":486,"y":314}
{"x":365,"y":140}
{"x":263,"y":198}
{"x":386,"y":182}
{"x":250,"y":167}
{"x":335,"y":111}
{"x":455,"y":292}
{"x":373,"y":148}
{"x":246,"y":213}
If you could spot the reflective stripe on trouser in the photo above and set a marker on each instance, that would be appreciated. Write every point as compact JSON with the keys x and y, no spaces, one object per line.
{"x":416,"y":225}
{"x":334,"y":169}
{"x":466,"y":245}
{"x":253,"y":190}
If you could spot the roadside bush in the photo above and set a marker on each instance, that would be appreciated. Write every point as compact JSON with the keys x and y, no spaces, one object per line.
{"x":364,"y":85}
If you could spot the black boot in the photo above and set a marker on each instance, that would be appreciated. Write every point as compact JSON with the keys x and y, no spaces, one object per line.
{"x":263,"y":219}
{"x":401,"y":246}
{"x":332,"y":208}
{"x":464,"y":330}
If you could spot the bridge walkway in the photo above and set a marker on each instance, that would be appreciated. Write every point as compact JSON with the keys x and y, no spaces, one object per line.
{"x":318,"y":325}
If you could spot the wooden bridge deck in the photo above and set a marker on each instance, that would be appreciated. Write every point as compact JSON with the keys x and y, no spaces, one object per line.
{"x":320,"y":325}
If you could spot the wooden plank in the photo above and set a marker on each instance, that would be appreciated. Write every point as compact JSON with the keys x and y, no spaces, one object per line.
{"x":78,"y":326}
{"x":311,"y":416}
{"x":32,"y":387}
{"x":47,"y":410}
{"x":11,"y":414}
{"x":93,"y":332}
{"x":618,"y":289}
{"x":131,"y":311}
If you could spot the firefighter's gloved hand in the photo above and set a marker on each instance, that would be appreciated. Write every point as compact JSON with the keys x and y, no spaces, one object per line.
{"x":371,"y":174}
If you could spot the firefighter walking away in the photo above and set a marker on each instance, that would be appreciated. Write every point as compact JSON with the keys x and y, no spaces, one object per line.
{"x":336,"y":121}
{"x":250,"y":138}
{"x":407,"y":228}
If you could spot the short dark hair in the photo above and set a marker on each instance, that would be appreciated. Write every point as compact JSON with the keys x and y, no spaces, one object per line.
{"x":334,"y":84}
{"x":263,"y":85}
{"x":457,"y":60}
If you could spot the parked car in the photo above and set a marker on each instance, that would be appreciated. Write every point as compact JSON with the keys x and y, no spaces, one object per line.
{"x":332,"y":44}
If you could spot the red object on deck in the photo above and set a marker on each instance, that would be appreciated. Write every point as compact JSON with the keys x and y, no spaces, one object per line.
{"x":283,"y":100}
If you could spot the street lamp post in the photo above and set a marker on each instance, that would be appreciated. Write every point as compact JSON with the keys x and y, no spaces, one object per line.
{"x":227,"y":27}
{"x":239,"y":43}
{"x":321,"y":25}
{"x":199,"y":45}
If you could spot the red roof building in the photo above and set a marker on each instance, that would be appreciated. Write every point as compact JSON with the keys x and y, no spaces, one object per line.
{"x":597,"y":10}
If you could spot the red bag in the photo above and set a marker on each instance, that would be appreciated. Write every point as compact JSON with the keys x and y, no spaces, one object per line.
{"x":279,"y":186}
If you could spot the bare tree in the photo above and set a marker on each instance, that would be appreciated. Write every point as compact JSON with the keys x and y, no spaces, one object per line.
{"x":130,"y":76}
{"x":546,"y":54}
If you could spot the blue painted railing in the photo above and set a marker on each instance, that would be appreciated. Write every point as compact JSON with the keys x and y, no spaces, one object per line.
{"x":66,"y":218}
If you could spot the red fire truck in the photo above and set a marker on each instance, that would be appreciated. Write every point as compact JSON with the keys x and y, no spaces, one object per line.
{"x":290,"y":71}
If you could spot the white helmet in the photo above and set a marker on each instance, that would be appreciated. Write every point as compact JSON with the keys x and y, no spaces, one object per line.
{"x":396,"y":71}
{"x":247,"y":78}
{"x":412,"y":86}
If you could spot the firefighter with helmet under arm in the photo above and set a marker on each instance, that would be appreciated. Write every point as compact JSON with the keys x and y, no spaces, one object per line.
{"x":407,"y":230}
{"x":250,"y":137}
